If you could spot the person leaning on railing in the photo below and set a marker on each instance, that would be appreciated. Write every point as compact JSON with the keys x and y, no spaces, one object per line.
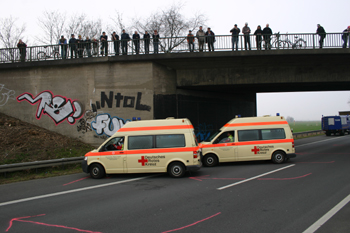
{"x":73,"y":46}
{"x":87,"y":44}
{"x":235,"y":33}
{"x":267,"y":33}
{"x":258,"y":32}
{"x":147,"y":39}
{"x":345,"y":37}
{"x":322,"y":33}
{"x":190,"y":41}
{"x":22,"y":50}
{"x":210,"y":39}
{"x":63,"y":43}
{"x":80,"y":43}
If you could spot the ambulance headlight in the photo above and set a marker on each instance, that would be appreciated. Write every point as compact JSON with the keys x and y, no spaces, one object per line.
{"x":85,"y":158}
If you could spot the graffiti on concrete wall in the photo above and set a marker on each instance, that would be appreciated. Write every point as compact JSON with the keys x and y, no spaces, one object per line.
{"x":104,"y":124}
{"x":120,"y":101}
{"x":84,"y":124}
{"x":58,"y":108}
{"x":5,"y":95}
{"x":204,"y":131}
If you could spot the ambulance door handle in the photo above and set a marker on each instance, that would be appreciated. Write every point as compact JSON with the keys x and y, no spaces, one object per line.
{"x":122,"y":152}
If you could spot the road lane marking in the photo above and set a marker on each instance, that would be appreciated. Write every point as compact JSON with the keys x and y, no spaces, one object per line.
{"x":193,"y":223}
{"x":72,"y":191}
{"x":327,"y":216}
{"x":255,"y":177}
{"x":316,"y":142}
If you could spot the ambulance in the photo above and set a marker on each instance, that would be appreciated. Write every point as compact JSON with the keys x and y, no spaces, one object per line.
{"x":250,"y":138}
{"x":152,"y":146}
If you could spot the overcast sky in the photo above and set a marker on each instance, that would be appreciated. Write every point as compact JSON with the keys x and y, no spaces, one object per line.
{"x":284,"y":16}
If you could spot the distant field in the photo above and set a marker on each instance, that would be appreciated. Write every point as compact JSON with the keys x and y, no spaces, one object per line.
{"x":302,"y":126}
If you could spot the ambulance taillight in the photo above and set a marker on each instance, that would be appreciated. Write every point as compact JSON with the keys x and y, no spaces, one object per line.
{"x":195,"y":154}
{"x":292,"y":144}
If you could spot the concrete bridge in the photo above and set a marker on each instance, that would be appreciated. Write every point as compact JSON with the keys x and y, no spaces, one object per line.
{"x":90,"y":98}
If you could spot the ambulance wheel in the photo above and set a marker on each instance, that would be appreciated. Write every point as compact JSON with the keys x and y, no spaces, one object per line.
{"x":97,"y":171}
{"x":278,"y":157}
{"x":210,"y":160}
{"x":176,"y":170}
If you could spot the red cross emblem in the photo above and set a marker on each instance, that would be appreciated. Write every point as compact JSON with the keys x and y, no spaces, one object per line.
{"x":143,"y":160}
{"x":255,"y":150}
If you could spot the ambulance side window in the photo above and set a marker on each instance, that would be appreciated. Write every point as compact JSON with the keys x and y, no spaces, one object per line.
{"x":140,"y":142}
{"x":267,"y":134}
{"x":248,"y":135}
{"x":170,"y":140}
{"x":114,"y":144}
{"x":225,"y":137}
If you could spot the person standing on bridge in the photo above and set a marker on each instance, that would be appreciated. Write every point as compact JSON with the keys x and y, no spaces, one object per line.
{"x":235,"y":33}
{"x":136,"y":41}
{"x":125,"y":39}
{"x":210,"y":39}
{"x":345,"y":37}
{"x":22,"y":50}
{"x":104,"y":44}
{"x":155,"y":38}
{"x":73,"y":46}
{"x":246,"y":32}
{"x":63,"y":43}
{"x":201,"y":38}
{"x":322,"y":33}
{"x":258,"y":32}
{"x":190,"y":41}
{"x":116,"y":42}
{"x":267,"y":33}
{"x":147,"y":40}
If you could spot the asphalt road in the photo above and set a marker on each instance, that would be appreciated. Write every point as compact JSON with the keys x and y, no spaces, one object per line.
{"x":232,"y":197}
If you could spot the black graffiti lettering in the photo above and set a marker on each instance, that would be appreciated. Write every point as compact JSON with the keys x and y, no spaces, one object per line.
{"x":129,"y":102}
{"x":118,"y":97}
{"x":140,"y":106}
{"x":98,"y":105}
{"x":104,"y":99}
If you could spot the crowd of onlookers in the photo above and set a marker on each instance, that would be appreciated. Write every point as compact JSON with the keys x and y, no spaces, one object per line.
{"x":77,"y":46}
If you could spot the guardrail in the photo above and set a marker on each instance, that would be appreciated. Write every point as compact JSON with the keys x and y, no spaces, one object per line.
{"x":61,"y":162}
{"x":307,"y":134}
{"x":170,"y":45}
{"x":39,"y":164}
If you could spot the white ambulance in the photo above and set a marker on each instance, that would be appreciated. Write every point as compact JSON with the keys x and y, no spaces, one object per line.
{"x":152,"y":146}
{"x":250,"y":138}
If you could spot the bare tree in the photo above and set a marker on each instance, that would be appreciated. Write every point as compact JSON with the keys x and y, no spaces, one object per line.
{"x":80,"y":25}
{"x":10,"y":34}
{"x":53,"y":25}
{"x":170,"y":23}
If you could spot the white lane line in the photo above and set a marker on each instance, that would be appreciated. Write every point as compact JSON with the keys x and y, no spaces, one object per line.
{"x":255,"y":177}
{"x":71,"y":191}
{"x":327,"y":216}
{"x":317,"y":142}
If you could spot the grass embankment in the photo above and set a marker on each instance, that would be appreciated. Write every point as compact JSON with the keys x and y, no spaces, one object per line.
{"x":303,"y":126}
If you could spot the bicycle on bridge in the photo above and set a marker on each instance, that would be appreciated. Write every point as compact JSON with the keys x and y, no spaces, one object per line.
{"x":43,"y":55}
{"x":277,"y":43}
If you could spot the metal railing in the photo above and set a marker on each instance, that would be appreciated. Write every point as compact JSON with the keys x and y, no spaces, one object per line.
{"x":170,"y":45}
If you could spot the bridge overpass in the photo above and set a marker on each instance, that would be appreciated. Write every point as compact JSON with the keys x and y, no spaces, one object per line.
{"x":90,"y":98}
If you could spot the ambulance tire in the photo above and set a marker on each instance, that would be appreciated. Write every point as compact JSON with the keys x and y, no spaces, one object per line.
{"x":278,"y":157}
{"x":176,"y":170}
{"x":97,"y":171}
{"x":210,"y":160}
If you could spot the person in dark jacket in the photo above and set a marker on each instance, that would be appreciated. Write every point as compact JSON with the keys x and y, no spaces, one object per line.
{"x":63,"y":43}
{"x":345,"y":36}
{"x":87,"y":44}
{"x":81,"y":45}
{"x":258,"y":32}
{"x":267,"y":33}
{"x":136,"y":41}
{"x":73,"y":46}
{"x":125,"y":39}
{"x":235,"y":33}
{"x":116,"y":42}
{"x":104,"y":44}
{"x":147,"y":40}
{"x":155,"y":38}
{"x":322,"y":33}
{"x":210,"y":39}
{"x":22,"y":50}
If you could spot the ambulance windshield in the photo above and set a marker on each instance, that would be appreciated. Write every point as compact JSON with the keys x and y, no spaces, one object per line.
{"x":209,"y":139}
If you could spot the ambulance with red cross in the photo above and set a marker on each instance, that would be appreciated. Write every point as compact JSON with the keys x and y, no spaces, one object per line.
{"x":152,"y":146}
{"x":250,"y":138}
